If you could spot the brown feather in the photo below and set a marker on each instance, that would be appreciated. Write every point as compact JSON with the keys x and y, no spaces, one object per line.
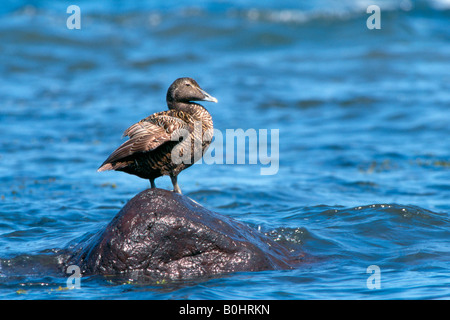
{"x":148,"y":134}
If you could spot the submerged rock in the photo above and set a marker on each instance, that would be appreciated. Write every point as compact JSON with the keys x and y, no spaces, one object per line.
{"x":161,"y":234}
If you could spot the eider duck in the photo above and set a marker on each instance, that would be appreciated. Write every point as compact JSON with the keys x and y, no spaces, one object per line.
{"x":181,"y":130}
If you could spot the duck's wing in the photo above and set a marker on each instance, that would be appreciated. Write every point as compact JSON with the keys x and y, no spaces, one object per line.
{"x":147,"y":135}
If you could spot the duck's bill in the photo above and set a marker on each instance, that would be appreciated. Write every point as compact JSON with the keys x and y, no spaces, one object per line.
{"x":208,"y":97}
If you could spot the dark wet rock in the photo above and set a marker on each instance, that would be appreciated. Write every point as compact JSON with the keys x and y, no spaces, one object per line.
{"x":161,"y":234}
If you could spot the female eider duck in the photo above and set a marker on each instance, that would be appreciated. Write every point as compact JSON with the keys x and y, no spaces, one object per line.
{"x":181,"y":130}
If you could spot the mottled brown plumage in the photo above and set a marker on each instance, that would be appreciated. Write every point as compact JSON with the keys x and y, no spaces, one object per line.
{"x":167,"y":142}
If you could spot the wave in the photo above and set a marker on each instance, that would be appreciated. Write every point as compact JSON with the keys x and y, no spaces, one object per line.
{"x":276,"y":11}
{"x":326,"y":11}
{"x":388,"y":233}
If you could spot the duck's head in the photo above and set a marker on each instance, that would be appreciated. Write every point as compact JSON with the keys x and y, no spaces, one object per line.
{"x":185,"y":90}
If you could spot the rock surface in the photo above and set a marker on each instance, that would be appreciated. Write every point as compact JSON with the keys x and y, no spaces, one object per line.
{"x":164,"y":235}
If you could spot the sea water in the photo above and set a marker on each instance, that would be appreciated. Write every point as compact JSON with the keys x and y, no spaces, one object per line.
{"x":363,"y":116}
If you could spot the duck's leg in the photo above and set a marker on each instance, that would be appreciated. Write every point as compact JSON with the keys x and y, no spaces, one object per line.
{"x":176,"y":188}
{"x":152,"y":183}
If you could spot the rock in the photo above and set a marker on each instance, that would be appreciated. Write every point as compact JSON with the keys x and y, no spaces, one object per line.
{"x":164,"y":235}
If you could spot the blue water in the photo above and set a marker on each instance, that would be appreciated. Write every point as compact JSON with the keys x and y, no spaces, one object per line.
{"x":363,"y":118}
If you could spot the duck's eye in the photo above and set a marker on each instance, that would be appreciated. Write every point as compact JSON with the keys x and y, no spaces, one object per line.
{"x":188,"y":84}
